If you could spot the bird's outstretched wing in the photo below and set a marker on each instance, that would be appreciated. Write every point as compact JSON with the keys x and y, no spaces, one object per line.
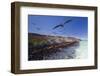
{"x":58,"y":26}
{"x":67,"y":21}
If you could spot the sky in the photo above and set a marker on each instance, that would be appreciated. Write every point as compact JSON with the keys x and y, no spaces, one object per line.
{"x":42,"y":24}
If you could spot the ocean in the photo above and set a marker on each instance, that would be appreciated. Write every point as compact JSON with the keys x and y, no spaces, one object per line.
{"x":76,"y":51}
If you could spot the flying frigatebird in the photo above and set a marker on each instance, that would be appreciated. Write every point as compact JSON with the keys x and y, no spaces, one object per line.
{"x":62,"y":25}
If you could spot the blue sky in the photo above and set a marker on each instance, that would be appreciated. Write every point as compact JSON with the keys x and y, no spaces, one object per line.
{"x":41,"y":24}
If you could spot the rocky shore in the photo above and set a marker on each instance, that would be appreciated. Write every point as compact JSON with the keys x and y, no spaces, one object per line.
{"x":38,"y":43}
